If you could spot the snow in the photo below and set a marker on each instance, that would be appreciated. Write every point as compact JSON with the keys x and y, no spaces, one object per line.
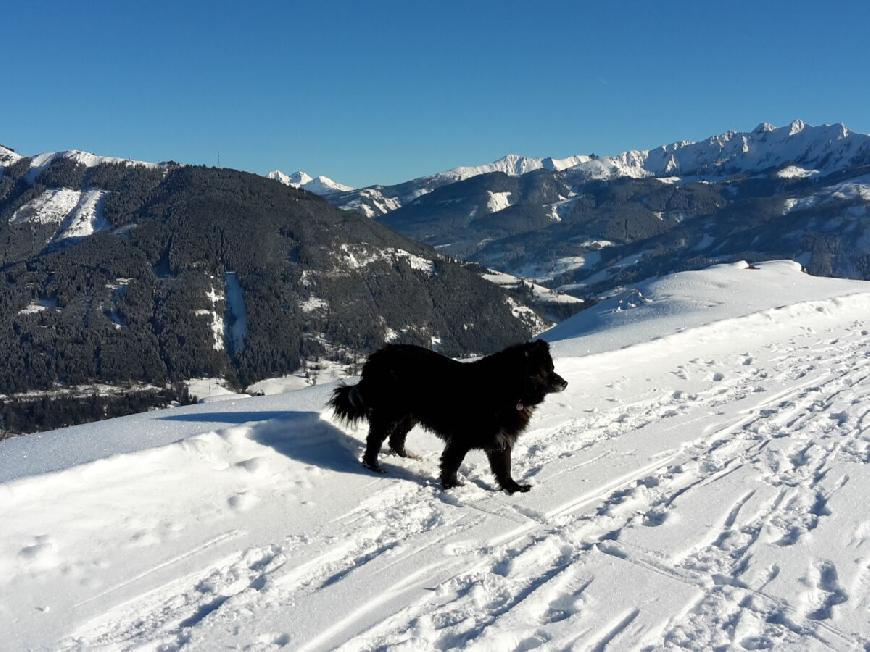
{"x":324,"y":185}
{"x":700,"y":484}
{"x":85,"y":158}
{"x":382,"y":204}
{"x":216,"y":317}
{"x":41,"y":161}
{"x":526,"y":314}
{"x":538,"y":291}
{"x":662,"y":306}
{"x":86,"y":218}
{"x":515,"y":165}
{"x":357,"y":256}
{"x":314,"y":372}
{"x":416,"y":262}
{"x":7,"y":157}
{"x":824,"y":148}
{"x":796,"y":150}
{"x":545,"y":270}
{"x":497,"y":201}
{"x":313,"y":303}
{"x":51,"y":207}
{"x":282,"y":385}
{"x":318,"y":185}
{"x":512,"y":165}
{"x":390,"y":335}
{"x":211,"y":390}
{"x":795,"y":172}
{"x":819,"y":149}
{"x":77,"y":213}
{"x":39,"y":305}
{"x":856,"y":189}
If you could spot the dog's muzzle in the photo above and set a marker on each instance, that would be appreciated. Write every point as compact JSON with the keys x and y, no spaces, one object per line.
{"x":558,"y":384}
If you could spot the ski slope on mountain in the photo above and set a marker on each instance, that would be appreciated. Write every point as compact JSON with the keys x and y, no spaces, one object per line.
{"x":702,"y":482}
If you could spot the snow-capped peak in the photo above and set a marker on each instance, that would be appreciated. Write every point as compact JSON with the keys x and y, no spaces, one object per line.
{"x":300,"y":178}
{"x":297,"y":179}
{"x":7,"y":156}
{"x":511,"y":164}
{"x":796,"y":127}
{"x":85,"y":158}
{"x":320,"y":185}
{"x":41,"y":161}
{"x":823,"y":147}
{"x":325,"y":185}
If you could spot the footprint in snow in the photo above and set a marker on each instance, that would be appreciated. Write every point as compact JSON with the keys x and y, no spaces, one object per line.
{"x":828,"y":592}
{"x":756,"y":643}
{"x":143,"y":538}
{"x":41,"y":554}
{"x":654,"y":518}
{"x":840,"y":417}
{"x":274,"y":639}
{"x":681,"y":373}
{"x":242,"y":501}
{"x":252,"y":465}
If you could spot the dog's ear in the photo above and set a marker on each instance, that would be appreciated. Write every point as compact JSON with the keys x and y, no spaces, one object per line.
{"x":536,"y":348}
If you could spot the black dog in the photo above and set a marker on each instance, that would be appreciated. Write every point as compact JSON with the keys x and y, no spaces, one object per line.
{"x":483,"y":404}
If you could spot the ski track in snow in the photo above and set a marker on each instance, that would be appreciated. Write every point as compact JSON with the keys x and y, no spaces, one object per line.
{"x":716,"y":499}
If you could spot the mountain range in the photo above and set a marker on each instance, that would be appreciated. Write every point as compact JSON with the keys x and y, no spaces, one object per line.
{"x":318,"y":185}
{"x":120,"y":271}
{"x":587,"y":224}
{"x":128,"y":272}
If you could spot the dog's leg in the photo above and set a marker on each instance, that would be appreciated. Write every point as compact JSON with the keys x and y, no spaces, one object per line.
{"x":397,"y":439}
{"x":450,"y":461}
{"x":379,"y":430}
{"x":500,"y":463}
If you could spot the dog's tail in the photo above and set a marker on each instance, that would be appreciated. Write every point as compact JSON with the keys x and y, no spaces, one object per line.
{"x":347,"y":403}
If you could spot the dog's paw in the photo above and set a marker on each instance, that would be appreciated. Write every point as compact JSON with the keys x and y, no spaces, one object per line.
{"x":451,"y":483}
{"x":513,"y":487}
{"x":373,"y":466}
{"x":407,"y":454}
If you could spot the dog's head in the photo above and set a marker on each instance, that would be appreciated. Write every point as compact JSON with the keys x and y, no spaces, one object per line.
{"x":540,"y":378}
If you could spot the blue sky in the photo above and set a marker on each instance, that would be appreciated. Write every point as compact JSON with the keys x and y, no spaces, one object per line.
{"x":380,"y":92}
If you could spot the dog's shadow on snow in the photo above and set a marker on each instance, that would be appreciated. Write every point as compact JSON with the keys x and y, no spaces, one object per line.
{"x":304,"y":437}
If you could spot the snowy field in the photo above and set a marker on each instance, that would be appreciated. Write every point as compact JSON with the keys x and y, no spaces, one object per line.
{"x":702,"y":483}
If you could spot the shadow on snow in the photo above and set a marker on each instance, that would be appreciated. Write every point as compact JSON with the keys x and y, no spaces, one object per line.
{"x":304,"y":437}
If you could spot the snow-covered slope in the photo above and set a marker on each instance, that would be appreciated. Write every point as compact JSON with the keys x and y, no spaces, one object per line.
{"x":705,"y":489}
{"x":76,"y":213}
{"x":318,"y":185}
{"x":672,"y":304}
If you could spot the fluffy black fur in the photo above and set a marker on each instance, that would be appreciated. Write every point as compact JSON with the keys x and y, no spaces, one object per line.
{"x":484,"y":404}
